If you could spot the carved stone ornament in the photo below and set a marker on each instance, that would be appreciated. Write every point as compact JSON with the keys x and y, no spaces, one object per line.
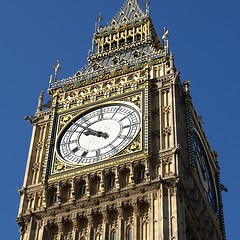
{"x":89,"y":93}
{"x":60,"y":167}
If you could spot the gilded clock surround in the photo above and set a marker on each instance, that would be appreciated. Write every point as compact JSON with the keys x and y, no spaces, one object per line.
{"x":149,"y":190}
{"x":135,"y":147}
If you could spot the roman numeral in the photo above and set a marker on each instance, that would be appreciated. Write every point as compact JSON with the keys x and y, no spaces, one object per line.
{"x":115,"y":112}
{"x":97,"y":153}
{"x":100,"y":116}
{"x":84,"y":154}
{"x":75,"y":149}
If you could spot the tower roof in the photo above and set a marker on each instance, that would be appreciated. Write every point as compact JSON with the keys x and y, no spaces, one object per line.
{"x":130,"y":10}
{"x":125,"y":44}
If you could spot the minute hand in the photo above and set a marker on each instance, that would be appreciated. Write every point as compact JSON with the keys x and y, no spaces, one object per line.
{"x":93,"y":132}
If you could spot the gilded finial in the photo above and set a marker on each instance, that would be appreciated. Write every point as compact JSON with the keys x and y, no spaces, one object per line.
{"x":147,"y":7}
{"x":99,"y":20}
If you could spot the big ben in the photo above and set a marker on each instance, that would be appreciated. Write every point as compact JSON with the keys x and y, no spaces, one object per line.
{"x":119,"y":151}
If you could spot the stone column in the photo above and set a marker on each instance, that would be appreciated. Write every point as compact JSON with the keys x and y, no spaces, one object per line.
{"x":72,"y":194}
{"x":60,"y":228}
{"x":88,"y":186}
{"x":75,"y":227}
{"x":161,"y":212}
{"x":90,"y":226}
{"x":105,"y":224}
{"x":135,"y":220}
{"x":131,"y":175}
{"x":173,"y":233}
{"x":40,"y":227}
{"x":58,"y":197}
{"x":117,"y":179}
{"x":102,"y":187}
{"x":151,"y":217}
{"x":120,"y":224}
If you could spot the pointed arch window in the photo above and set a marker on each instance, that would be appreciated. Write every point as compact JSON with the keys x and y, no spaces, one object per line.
{"x":129,"y":234}
{"x":114,"y":235}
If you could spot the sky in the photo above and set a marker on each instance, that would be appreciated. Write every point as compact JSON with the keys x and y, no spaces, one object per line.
{"x":204,"y":37}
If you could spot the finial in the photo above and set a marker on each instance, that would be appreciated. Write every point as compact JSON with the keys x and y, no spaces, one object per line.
{"x":99,"y":20}
{"x":41,"y":95}
{"x":56,"y":69}
{"x":147,"y":7}
{"x":186,"y":85}
{"x":50,"y":80}
{"x":165,"y":39}
{"x":172,"y":68}
{"x":40,"y":100}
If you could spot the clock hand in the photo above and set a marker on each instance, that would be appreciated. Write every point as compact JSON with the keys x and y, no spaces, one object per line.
{"x":93,"y":132}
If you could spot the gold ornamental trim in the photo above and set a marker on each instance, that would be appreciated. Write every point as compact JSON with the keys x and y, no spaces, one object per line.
{"x":136,"y":100}
{"x":98,"y":166}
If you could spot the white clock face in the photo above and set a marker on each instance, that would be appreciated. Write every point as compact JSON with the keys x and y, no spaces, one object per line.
{"x":99,"y":134}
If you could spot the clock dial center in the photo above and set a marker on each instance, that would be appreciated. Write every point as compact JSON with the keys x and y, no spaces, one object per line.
{"x":93,"y":142}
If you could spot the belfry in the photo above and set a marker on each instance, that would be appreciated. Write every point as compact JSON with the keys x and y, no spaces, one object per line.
{"x":119,"y":151}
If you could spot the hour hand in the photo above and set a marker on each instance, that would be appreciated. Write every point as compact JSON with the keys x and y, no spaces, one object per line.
{"x":92,"y":132}
{"x":96,"y":133}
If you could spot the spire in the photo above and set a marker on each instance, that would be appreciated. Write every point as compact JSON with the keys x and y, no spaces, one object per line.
{"x":130,"y":10}
{"x":147,"y":7}
{"x":40,"y":100}
{"x":99,"y":20}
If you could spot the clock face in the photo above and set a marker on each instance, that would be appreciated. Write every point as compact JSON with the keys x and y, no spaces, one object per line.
{"x":99,"y":133}
{"x":204,"y":171}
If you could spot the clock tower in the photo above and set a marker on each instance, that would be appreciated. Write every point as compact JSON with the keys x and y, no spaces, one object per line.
{"x":119,"y":152}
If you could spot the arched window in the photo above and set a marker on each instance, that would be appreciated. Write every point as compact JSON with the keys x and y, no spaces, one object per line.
{"x":65,"y":192}
{"x":139,"y":173}
{"x":52,"y":196}
{"x":114,"y":235}
{"x":94,"y":185}
{"x":124,"y":177}
{"x":110,"y":181}
{"x":129,"y":234}
{"x":80,"y":188}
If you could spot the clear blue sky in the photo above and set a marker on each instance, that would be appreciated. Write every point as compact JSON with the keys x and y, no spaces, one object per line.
{"x":205,"y":40}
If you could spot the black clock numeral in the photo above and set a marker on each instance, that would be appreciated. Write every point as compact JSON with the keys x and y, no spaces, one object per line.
{"x":97,"y":153}
{"x":75,"y":149}
{"x":100,"y":115}
{"x":84,"y":154}
{"x":115,"y":111}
